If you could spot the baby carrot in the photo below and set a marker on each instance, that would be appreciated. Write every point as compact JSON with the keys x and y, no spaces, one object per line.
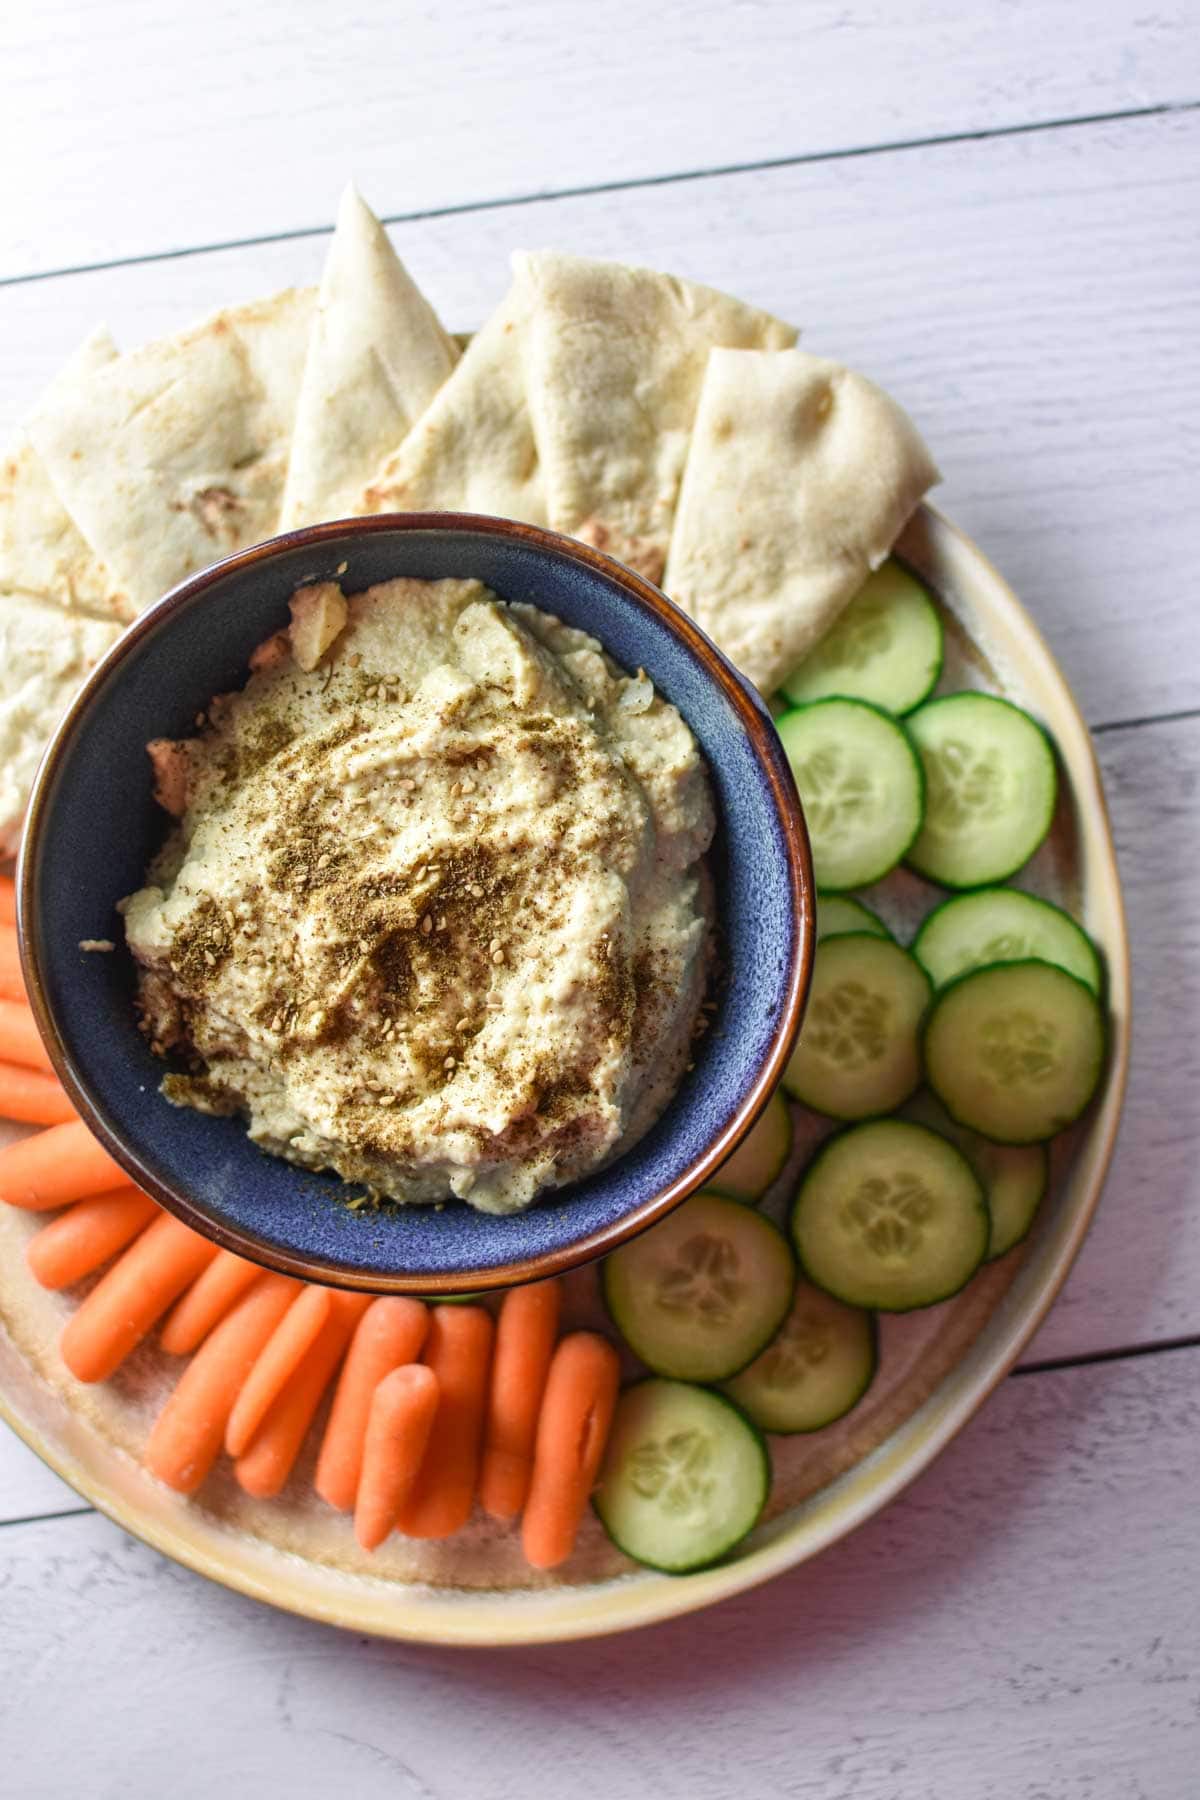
{"x":55,"y":1167}
{"x":20,"y":1040}
{"x":8,"y":900}
{"x":33,"y":1098}
{"x":206,"y":1302}
{"x":525,"y":1334}
{"x":390,"y":1334}
{"x":403,"y":1408}
{"x":12,"y":982}
{"x":459,"y":1351}
{"x":190,"y":1429}
{"x":136,"y":1291}
{"x":581,"y":1392}
{"x":83,"y":1238}
{"x":289,"y":1344}
{"x":266,"y":1465}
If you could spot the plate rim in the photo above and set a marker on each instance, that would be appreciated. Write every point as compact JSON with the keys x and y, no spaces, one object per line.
{"x":258,"y":1569}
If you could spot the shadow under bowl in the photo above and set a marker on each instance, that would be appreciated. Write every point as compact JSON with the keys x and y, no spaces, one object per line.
{"x":93,"y":828}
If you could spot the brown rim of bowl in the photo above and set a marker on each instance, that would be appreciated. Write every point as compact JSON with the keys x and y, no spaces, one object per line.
{"x":757,"y":724}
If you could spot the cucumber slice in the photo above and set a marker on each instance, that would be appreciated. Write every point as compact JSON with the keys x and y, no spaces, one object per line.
{"x":1015,"y":1051}
{"x":758,"y":1159}
{"x":838,"y":914}
{"x":998,"y":925}
{"x":991,"y":789}
{"x":699,"y":1295}
{"x":890,"y":1216}
{"x":820,"y":1363}
{"x":1014,"y":1176}
{"x":859,"y":1049}
{"x":887,"y":647}
{"x":685,"y":1476}
{"x":861,"y":784}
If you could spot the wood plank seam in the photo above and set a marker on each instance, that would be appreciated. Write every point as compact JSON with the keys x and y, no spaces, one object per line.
{"x":42,"y":1518}
{"x":673,"y":178}
{"x":1181,"y":716}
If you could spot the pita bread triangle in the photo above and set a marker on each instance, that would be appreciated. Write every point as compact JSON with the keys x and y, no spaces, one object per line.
{"x":800,"y":476}
{"x":57,"y":607}
{"x":42,"y":553}
{"x":473,"y":450}
{"x":45,"y":656}
{"x":377,"y":355}
{"x":176,"y":453}
{"x":614,"y":361}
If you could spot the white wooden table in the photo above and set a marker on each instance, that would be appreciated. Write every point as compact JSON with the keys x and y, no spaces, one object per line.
{"x":995,"y":209}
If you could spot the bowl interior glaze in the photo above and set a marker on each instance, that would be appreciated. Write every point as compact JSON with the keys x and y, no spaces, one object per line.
{"x":93,"y":828}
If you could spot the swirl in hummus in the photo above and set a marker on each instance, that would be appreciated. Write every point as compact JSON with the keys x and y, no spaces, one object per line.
{"x":436,"y":914}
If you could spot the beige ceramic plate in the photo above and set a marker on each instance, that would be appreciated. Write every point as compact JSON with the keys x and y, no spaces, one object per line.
{"x":936,"y":1366}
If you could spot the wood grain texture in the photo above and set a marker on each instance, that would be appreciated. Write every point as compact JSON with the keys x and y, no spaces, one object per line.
{"x":28,"y":1489}
{"x":1027,"y":298}
{"x":1019,"y":1626}
{"x":138,"y":128}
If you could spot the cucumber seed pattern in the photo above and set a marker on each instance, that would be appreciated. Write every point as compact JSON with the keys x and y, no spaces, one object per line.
{"x":835,"y":790}
{"x":803,"y":1344}
{"x":1018,"y":1048}
{"x":702,"y":1279}
{"x":674,"y":1472}
{"x":964,"y":784}
{"x":889,"y":1215}
{"x":849,"y":1025}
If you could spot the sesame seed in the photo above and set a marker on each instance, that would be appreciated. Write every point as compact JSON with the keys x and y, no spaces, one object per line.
{"x":277,"y":1022}
{"x":476,"y":891}
{"x":210,"y":959}
{"x":497,"y":956}
{"x":495,"y":944}
{"x":427,"y":924}
{"x":462,"y":1024}
{"x":441,"y":924}
{"x":387,"y":1099}
{"x":449,"y":1063}
{"x":354,"y":660}
{"x":467,"y":786}
{"x":323,"y":862}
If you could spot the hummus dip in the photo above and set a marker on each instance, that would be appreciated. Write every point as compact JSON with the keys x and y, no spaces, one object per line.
{"x":435,"y":915}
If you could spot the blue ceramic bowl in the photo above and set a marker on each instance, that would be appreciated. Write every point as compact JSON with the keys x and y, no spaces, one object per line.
{"x":93,"y":827}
